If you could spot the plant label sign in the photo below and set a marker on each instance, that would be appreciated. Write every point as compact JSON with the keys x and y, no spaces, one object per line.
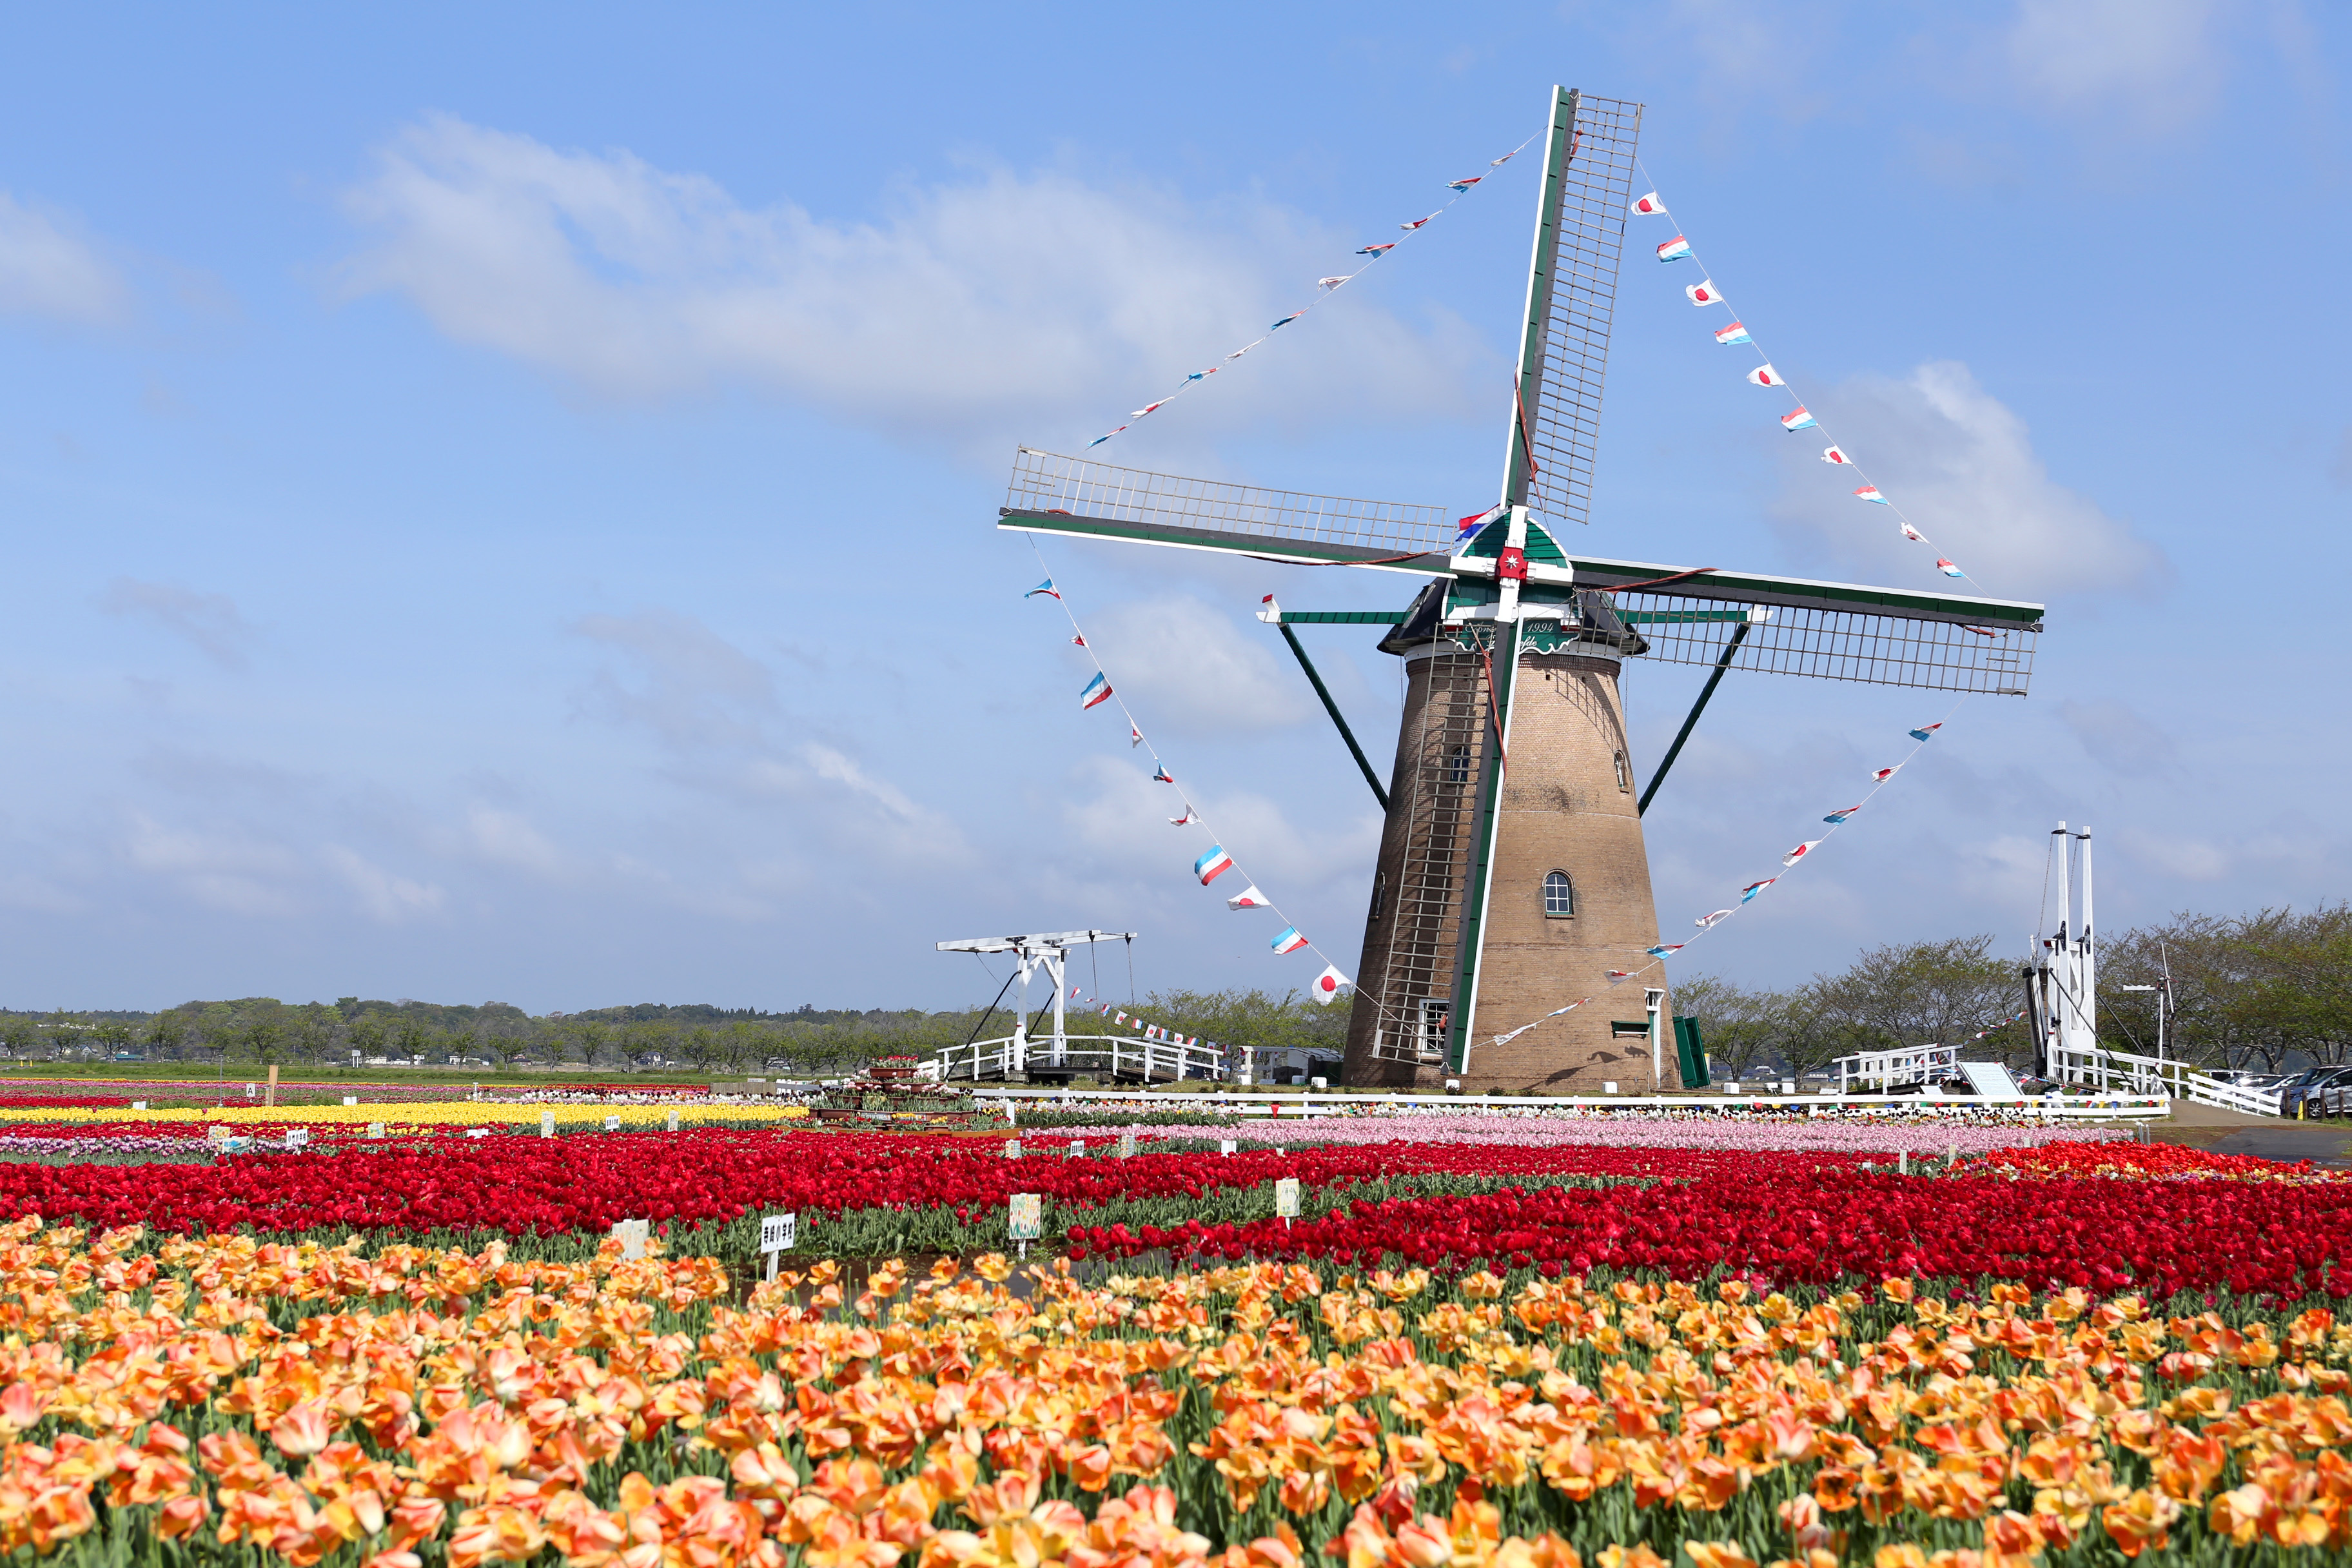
{"x":1012,"y":1149}
{"x":778,"y":1231}
{"x":215,"y":1134}
{"x":350,"y":1099}
{"x":375,"y":1129}
{"x":1028,"y":1216}
{"x":477,"y":1132}
{"x":632,"y":1235}
{"x":1286,"y":1197}
{"x":296,"y":1137}
{"x":547,"y":1124}
{"x":138,"y":1105}
{"x":673,"y":1118}
{"x":1078,"y":1147}
{"x":612,"y":1124}
{"x":1127,"y":1144}
{"x":1227,"y":1145}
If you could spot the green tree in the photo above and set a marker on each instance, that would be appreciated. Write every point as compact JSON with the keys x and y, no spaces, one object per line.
{"x":1906,"y":995}
{"x":1740,"y":1029}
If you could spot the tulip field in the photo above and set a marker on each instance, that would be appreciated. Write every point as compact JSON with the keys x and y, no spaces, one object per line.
{"x":1914,"y":1347}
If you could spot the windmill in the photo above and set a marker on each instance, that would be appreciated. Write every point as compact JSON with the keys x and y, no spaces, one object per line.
{"x":1512,"y":874}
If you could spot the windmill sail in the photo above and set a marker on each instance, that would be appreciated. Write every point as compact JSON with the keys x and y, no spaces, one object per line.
{"x":1555,"y":431}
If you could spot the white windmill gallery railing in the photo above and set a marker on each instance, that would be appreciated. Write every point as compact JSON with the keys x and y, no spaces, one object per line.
{"x":1890,"y":1069}
{"x":1103,"y":1057}
{"x":2122,"y":1071}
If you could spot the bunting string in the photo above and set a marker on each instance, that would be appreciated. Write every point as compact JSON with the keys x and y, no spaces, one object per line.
{"x":1705,"y":294}
{"x":1324,"y":289}
{"x":1217,"y":860}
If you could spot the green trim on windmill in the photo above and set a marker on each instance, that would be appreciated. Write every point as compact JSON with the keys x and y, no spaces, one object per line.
{"x":1541,"y":549}
{"x":1470,"y":937}
{"x":1517,"y":470}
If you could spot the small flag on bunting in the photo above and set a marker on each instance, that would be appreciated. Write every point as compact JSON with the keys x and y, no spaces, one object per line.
{"x":1649,"y":205}
{"x":1097,"y":442}
{"x":1327,"y":983}
{"x":1097,"y":692}
{"x":1927,"y":734}
{"x":1328,"y":283}
{"x":1045,"y":587}
{"x":1618,"y":976}
{"x":1148,"y":408}
{"x":1764,"y":375}
{"x":1415,"y":223}
{"x":1870,"y":493}
{"x":1286,"y":320}
{"x":1662,"y":949}
{"x":1467,"y":529}
{"x":1914,"y":535}
{"x":1880,"y":775}
{"x":1162,"y":776}
{"x":1734,"y":334}
{"x":1249,"y":898}
{"x":1675,"y":249}
{"x":1377,"y":251}
{"x":1078,"y":640}
{"x":1134,"y":737}
{"x":1748,"y":893}
{"x":1189,"y":817}
{"x":1704,"y":293}
{"x":1458,"y":186}
{"x":1213,"y":865}
{"x":1708,"y":921}
{"x":1833,"y":455}
{"x":1799,"y":853}
{"x":1948,"y":569}
{"x":1287,"y":940}
{"x":1841,"y":814}
{"x":1800,"y":420}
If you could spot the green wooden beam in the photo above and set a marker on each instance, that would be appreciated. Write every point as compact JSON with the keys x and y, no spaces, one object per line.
{"x":1535,"y":329}
{"x":1332,"y":708}
{"x":1471,"y":939}
{"x":1343,"y":618}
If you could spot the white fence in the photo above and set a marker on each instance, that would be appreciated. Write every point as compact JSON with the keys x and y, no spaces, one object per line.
{"x":2121,"y":1070}
{"x":1285,"y":1105}
{"x":1917,"y":1064}
{"x":1118,"y":1057}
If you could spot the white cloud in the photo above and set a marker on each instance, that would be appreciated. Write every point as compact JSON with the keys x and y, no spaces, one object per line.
{"x":1120,"y":816}
{"x":2090,"y":52}
{"x":222,"y":870}
{"x":1192,"y":670}
{"x":971,"y":306}
{"x":2119,"y":737}
{"x":1963,"y":466}
{"x":508,"y":838}
{"x":699,"y":689}
{"x":389,"y":898}
{"x":47,"y":269}
{"x":209,"y":622}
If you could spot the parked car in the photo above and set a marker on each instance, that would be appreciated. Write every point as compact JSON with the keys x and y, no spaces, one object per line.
{"x":2307,"y":1086}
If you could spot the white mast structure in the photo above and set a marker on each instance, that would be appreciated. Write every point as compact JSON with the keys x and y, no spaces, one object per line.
{"x":1047,"y":951}
{"x":2065,"y":970}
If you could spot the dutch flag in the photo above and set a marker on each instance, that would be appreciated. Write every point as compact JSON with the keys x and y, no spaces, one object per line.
{"x":1213,"y":865}
{"x":1289,"y":941}
{"x":1734,"y":334}
{"x":1675,"y":249}
{"x":1661,"y":951}
{"x":1467,"y":529}
{"x":1097,"y":692}
{"x":1948,"y":569}
{"x":1870,"y":493}
{"x":1927,"y":734}
{"x":1800,"y":420}
{"x":1837,"y":816}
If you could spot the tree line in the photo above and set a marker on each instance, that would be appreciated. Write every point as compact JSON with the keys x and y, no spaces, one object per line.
{"x":2269,"y":991}
{"x":261,"y":1031}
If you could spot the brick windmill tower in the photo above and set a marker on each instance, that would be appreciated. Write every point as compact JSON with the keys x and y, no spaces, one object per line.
{"x":1512,"y":876}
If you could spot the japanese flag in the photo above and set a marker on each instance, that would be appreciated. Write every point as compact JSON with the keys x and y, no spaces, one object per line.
{"x":1327,"y":983}
{"x":1704,"y":293}
{"x":1249,"y":898}
{"x":1880,"y":775}
{"x":1832,"y":455}
{"x":1914,"y":535}
{"x":1764,"y":375}
{"x":1799,"y":852}
{"x":1649,"y":205}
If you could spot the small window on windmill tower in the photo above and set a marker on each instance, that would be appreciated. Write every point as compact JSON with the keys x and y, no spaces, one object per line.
{"x":1457,"y":765}
{"x":1560,"y":896}
{"x":1624,"y":777}
{"x":1380,"y":896}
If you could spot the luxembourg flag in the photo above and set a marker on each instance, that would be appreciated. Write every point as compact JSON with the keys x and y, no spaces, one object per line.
{"x":1748,"y":893}
{"x":1839,"y":815}
{"x":1249,"y":898}
{"x":1927,"y":734}
{"x":1327,"y":983}
{"x":1289,"y":940}
{"x":1675,"y":249}
{"x":1648,"y":206}
{"x":1286,"y":320}
{"x":1870,"y":493}
{"x":1880,"y":775}
{"x":1162,"y":776}
{"x":1458,"y":186}
{"x":1799,"y":853}
{"x":1097,"y":692}
{"x":1213,"y":865}
{"x":1045,"y":587}
{"x":1704,"y":293}
{"x":1800,"y":420}
{"x":1377,"y":251}
{"x":1836,"y":456}
{"x":1708,"y":921}
{"x":1948,"y":569}
{"x":1661,"y":950}
{"x":1734,"y":334}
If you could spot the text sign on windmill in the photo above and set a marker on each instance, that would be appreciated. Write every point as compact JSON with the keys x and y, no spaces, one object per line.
{"x":1512,"y":870}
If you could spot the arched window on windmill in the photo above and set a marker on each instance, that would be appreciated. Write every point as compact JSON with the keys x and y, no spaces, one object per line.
{"x":1560,"y":896}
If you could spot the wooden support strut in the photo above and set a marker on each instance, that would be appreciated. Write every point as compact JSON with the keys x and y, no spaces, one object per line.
{"x":1332,"y":708}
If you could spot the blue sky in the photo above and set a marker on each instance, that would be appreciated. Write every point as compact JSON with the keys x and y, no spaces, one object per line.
{"x":500,"y":503}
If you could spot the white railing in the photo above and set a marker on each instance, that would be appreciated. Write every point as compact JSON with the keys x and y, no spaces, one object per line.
{"x":1915,"y":1063}
{"x":1085,"y":1056}
{"x":1288,"y":1103}
{"x":2111,"y":1071}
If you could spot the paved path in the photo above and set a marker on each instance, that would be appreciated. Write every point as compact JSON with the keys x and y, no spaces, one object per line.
{"x":2266,"y":1137}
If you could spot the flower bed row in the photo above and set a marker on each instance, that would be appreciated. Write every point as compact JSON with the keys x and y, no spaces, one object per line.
{"x":467,"y":1409}
{"x":1825,"y":1134}
{"x":424,"y":1116}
